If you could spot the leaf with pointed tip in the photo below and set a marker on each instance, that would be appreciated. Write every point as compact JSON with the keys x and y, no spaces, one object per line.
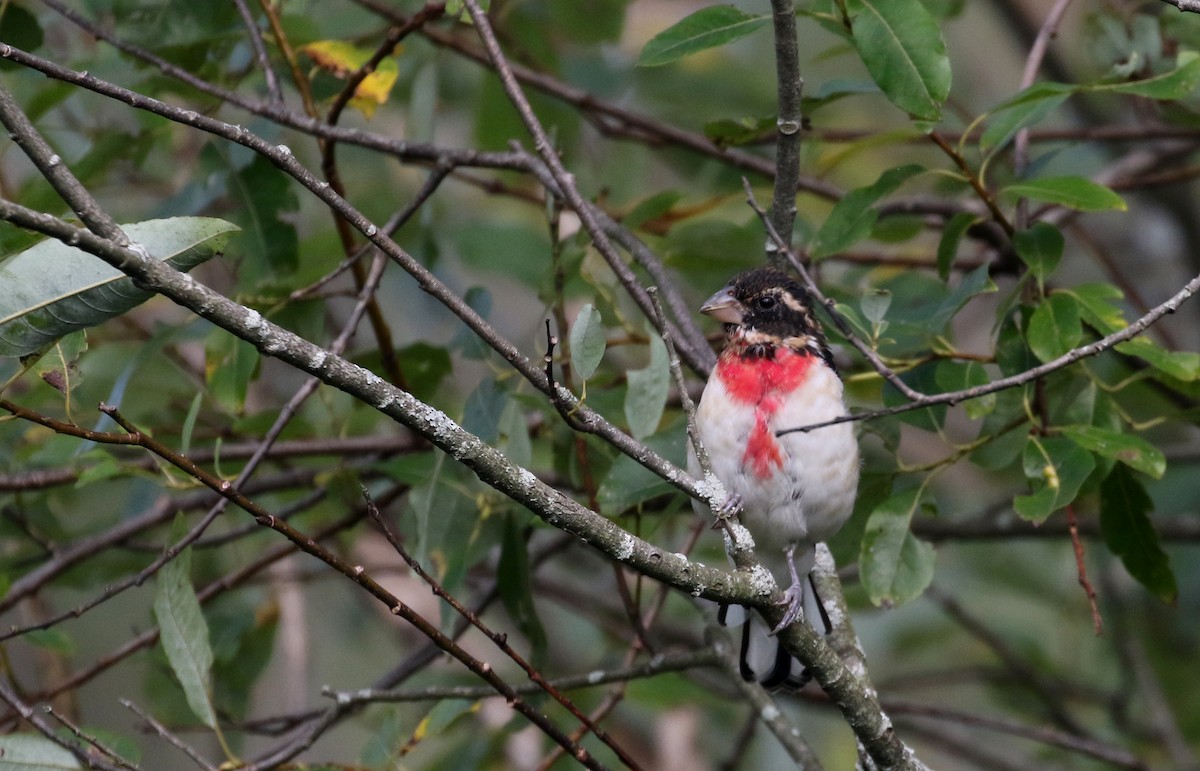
{"x":53,"y":289}
{"x":185,"y":635}
{"x":1125,"y":523}
{"x":1073,"y":192}
{"x":707,"y":28}
{"x":1131,"y":450}
{"x":902,"y":48}
{"x":853,"y":217}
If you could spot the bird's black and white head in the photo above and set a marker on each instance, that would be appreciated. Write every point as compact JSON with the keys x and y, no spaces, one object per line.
{"x":765,"y":309}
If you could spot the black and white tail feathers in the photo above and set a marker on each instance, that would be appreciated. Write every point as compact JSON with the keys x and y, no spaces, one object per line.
{"x":761,"y":656}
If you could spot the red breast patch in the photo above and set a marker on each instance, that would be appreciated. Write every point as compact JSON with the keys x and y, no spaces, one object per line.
{"x":763,"y":383}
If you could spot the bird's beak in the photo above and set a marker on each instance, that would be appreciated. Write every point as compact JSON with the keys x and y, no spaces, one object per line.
{"x":723,"y":306}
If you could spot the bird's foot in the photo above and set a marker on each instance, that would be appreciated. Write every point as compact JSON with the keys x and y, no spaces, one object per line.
{"x":731,"y":505}
{"x":793,"y":600}
{"x":793,"y":596}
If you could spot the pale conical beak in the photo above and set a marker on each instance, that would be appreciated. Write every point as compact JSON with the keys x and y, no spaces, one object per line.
{"x":723,"y":306}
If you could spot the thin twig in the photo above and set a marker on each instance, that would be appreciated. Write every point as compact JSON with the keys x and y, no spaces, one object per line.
{"x":499,"y":639}
{"x":169,"y":736}
{"x":662,"y":664}
{"x":776,"y":721}
{"x":1081,"y":570}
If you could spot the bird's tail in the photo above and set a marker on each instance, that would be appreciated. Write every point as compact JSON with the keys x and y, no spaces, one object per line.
{"x":761,"y":656}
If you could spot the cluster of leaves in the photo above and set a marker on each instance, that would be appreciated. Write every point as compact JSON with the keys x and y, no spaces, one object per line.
{"x":1007,"y":231}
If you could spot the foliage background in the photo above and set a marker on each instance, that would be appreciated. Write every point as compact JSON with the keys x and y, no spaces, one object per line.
{"x":990,"y":658}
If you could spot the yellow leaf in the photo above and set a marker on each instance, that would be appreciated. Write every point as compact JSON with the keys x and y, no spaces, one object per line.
{"x":342,"y":59}
{"x":336,"y":56}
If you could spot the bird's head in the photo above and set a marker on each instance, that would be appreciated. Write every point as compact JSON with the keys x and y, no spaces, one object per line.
{"x":766,"y":308}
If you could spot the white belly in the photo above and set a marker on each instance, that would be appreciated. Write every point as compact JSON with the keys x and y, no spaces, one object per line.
{"x":810,"y":495}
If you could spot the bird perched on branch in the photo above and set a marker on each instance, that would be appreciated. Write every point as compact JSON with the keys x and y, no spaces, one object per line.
{"x":776,"y":372}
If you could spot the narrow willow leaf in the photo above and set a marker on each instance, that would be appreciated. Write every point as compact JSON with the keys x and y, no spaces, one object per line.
{"x":1072,"y":192}
{"x":707,"y":28}
{"x":587,"y":342}
{"x":902,"y":48}
{"x":515,"y":585}
{"x":185,"y":635}
{"x":1026,"y":109}
{"x":1131,"y":450}
{"x":895,"y":566}
{"x":1125,"y":523}
{"x":1055,"y":328}
{"x":34,"y":752}
{"x":1056,"y":468}
{"x":647,"y":393}
{"x":52,"y":289}
{"x":853,"y":216}
{"x":1179,"y":83}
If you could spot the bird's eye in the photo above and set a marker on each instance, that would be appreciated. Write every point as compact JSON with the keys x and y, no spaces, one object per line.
{"x":765,"y":303}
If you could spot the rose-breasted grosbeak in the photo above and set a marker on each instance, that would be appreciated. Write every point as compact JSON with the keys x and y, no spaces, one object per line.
{"x":776,"y":372}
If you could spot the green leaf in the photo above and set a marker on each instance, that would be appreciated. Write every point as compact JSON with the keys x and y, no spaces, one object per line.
{"x":975,"y":283}
{"x":1028,"y":108}
{"x":728,"y":133}
{"x":587,"y":342}
{"x":952,"y":235}
{"x":1126,"y":526}
{"x":1095,"y":308}
{"x":1040,"y":247}
{"x":1181,"y":365}
{"x":424,"y":366}
{"x":852,"y":217}
{"x":185,"y":635}
{"x":1179,"y":83}
{"x":895,"y":566}
{"x":1056,"y":468}
{"x":875,"y":305}
{"x":262,"y":198}
{"x":647,"y":393}
{"x":1131,"y":450}
{"x":229,"y":364}
{"x":1073,"y":192}
{"x":902,"y":48}
{"x":189,"y":424}
{"x":514,"y":434}
{"x":961,"y":375}
{"x":52,"y":289}
{"x":1055,"y":328}
{"x":706,"y":28}
{"x":481,"y":415}
{"x":34,"y":752}
{"x":629,"y":483}
{"x":516,"y":587}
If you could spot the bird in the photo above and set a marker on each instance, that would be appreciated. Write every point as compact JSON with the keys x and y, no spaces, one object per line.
{"x":776,"y":372}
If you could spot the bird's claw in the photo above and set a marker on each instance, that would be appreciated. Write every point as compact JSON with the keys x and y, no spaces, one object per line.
{"x":793,"y":600}
{"x":731,"y":505}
